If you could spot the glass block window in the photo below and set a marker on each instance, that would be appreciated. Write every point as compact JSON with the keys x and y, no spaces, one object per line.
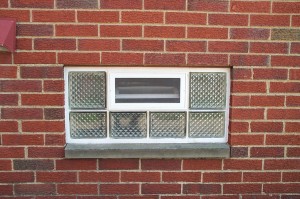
{"x":146,"y":105}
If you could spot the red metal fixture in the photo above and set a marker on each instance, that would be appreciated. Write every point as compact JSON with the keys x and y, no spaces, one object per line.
{"x":7,"y":35}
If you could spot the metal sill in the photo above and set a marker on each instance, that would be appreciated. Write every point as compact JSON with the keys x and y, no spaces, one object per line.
{"x":193,"y":150}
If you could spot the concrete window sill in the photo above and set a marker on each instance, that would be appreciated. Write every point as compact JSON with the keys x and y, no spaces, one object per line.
{"x":191,"y":150}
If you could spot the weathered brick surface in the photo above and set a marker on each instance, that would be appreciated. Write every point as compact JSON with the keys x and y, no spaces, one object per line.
{"x":259,"y":39}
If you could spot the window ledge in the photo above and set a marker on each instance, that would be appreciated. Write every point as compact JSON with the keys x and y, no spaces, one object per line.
{"x":190,"y":150}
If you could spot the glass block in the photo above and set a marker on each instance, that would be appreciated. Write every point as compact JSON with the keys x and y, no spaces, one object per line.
{"x":167,"y":125}
{"x":207,"y":90}
{"x":87,"y":90}
{"x":88,"y":125}
{"x":128,"y":125}
{"x":206,"y":125}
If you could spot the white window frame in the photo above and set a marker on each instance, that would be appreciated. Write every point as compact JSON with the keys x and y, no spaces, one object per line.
{"x":113,"y":72}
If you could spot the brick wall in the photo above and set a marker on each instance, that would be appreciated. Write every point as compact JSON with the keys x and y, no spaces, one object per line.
{"x":260,"y":39}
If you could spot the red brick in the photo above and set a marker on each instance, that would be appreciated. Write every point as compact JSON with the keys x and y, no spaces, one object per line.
{"x":208,"y":59}
{"x":283,"y":114}
{"x":282,"y":164}
{"x":99,"y":44}
{"x":201,"y":188}
{"x":225,"y":46}
{"x":186,"y":46}
{"x":285,"y":61}
{"x":292,"y":126}
{"x":30,"y":164}
{"x":81,"y":4}
{"x":241,"y":73}
{"x":34,"y":30}
{"x":242,"y":188}
{"x":248,"y":87}
{"x":8,"y":126}
{"x":160,"y":164}
{"x":43,"y":126}
{"x":242,"y":139}
{"x":56,"y":177}
{"x":283,"y":139}
{"x":285,"y":87}
{"x":202,"y":164}
{"x":77,"y":30}
{"x":270,"y":20}
{"x":76,"y":164}
{"x":99,"y":176}
{"x":118,"y":164}
{"x":98,"y":16}
{"x":293,"y":152}
{"x":8,"y":100}
{"x":6,"y":189}
{"x":176,"y":197}
{"x":295,"y":20}
{"x":36,"y":139}
{"x":54,"y":113}
{"x":222,"y":197}
{"x":36,"y":57}
{"x":164,"y":4}
{"x":185,"y":18}
{"x":79,"y":58}
{"x":78,"y":189}
{"x":164,"y":32}
{"x":140,"y":177}
{"x":3,"y":3}
{"x":290,"y":176}
{"x":286,"y":7}
{"x":164,"y":59}
{"x":266,"y":127}
{"x":261,"y":177}
{"x":16,"y":177}
{"x":12,"y":152}
{"x":120,"y":31}
{"x":139,"y":197}
{"x":239,"y":127}
{"x":207,"y":33}
{"x":238,"y":152}
{"x":54,"y":44}
{"x":222,"y":177}
{"x":267,"y":101}
{"x":5,"y":58}
{"x":41,"y":72}
{"x":161,"y":188}
{"x":249,"y":33}
{"x":228,"y":19}
{"x":267,"y":152}
{"x":294,"y":74}
{"x":245,"y":113}
{"x":34,"y":189}
{"x":181,"y":177}
{"x":142,"y":45}
{"x":142,"y":17}
{"x":53,"y":16}
{"x":249,"y":60}
{"x":55,"y":139}
{"x":248,"y":7}
{"x":32,"y":4}
{"x":22,"y":113}
{"x":55,"y":197}
{"x":267,"y":73}
{"x":24,"y":44}
{"x":293,"y":101}
{"x":5,"y":165}
{"x":282,"y":188}
{"x":113,"y":189}
{"x":295,"y":48}
{"x":53,"y":85}
{"x":210,"y":6}
{"x":265,"y":47}
{"x":19,"y":15}
{"x":46,"y":152}
{"x":8,"y":72}
{"x":43,"y":99}
{"x":122,"y":58}
{"x":121,"y":4}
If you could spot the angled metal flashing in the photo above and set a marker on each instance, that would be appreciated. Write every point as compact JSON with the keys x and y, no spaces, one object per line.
{"x":7,"y":35}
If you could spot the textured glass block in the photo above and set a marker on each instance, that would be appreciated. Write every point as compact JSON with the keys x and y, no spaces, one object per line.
{"x":207,"y":90}
{"x":128,"y":125}
{"x":206,"y":125}
{"x":88,"y":125}
{"x":87,"y":89}
{"x":167,"y":125}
